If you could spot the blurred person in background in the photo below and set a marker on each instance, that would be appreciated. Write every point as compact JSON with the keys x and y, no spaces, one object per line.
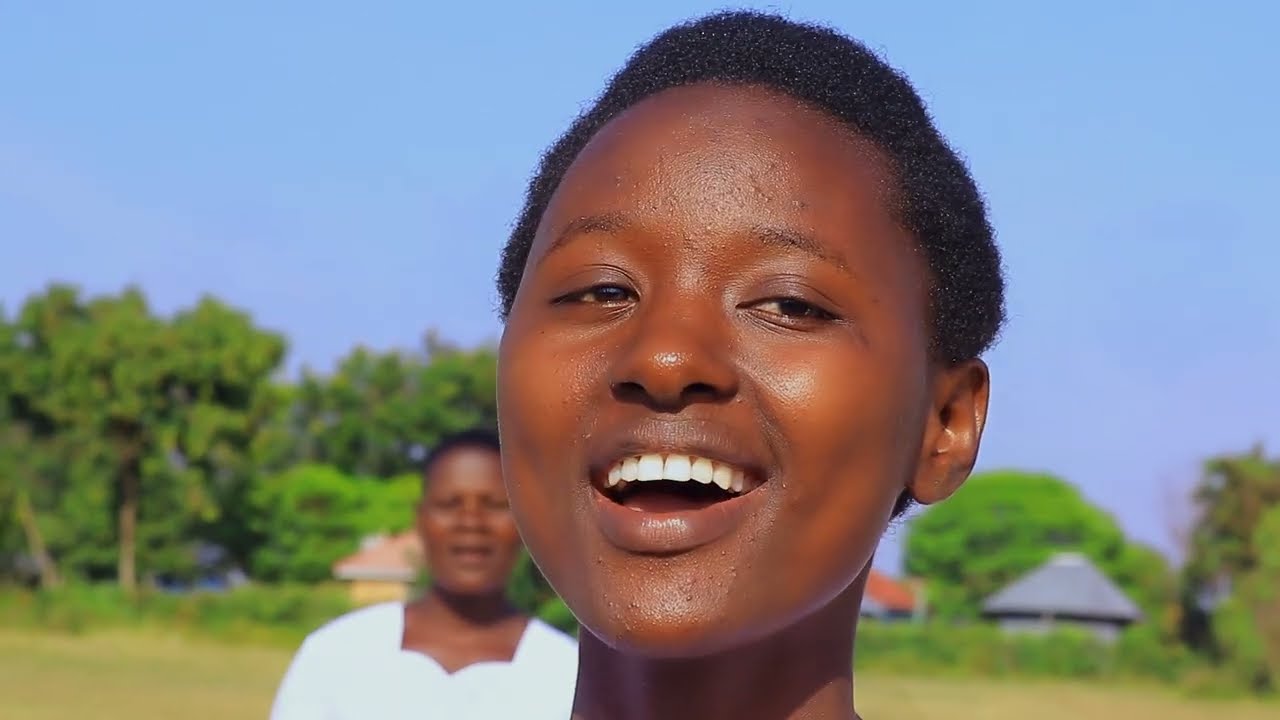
{"x":462,"y":650}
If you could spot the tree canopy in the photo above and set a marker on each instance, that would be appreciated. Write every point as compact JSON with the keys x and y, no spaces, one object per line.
{"x":130,"y":440}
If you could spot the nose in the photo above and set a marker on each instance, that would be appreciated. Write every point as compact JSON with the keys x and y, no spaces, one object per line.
{"x":674,"y":357}
{"x":472,"y":516}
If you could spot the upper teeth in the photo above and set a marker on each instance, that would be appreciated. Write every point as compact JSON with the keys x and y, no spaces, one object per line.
{"x":678,"y":468}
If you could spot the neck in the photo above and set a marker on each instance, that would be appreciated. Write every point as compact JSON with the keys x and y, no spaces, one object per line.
{"x":442,"y":606}
{"x":804,"y":672}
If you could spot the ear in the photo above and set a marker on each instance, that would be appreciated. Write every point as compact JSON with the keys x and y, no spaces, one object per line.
{"x":957,"y":416}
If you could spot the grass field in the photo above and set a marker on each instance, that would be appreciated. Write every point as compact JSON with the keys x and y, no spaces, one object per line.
{"x":132,"y":676}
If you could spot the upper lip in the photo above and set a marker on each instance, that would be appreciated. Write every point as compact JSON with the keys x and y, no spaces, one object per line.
{"x":686,"y":437}
{"x":470,"y":546}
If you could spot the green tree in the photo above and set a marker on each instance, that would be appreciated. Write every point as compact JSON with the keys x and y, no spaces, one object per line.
{"x":1246,"y":625}
{"x":1003,"y":524}
{"x":105,"y":383}
{"x":528,"y":589}
{"x":391,"y":504}
{"x":24,"y":495}
{"x":1260,"y":591}
{"x":310,"y":516}
{"x":22,"y":465}
{"x":1234,"y":492}
{"x":1230,"y":500}
{"x":37,"y":457}
{"x":154,"y":415}
{"x":224,"y":398}
{"x":378,"y":412}
{"x":1146,"y":575}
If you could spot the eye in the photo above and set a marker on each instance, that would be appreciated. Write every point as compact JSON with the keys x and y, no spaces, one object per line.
{"x":447,"y":503}
{"x":598,"y":295}
{"x":794,"y":310}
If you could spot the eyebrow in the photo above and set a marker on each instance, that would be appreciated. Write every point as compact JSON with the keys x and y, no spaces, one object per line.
{"x":768,"y":235}
{"x":796,"y":240}
{"x":606,"y":224}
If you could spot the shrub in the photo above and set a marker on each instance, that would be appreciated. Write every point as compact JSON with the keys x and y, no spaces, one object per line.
{"x":281,"y":613}
{"x":986,"y":650}
{"x":556,"y":614}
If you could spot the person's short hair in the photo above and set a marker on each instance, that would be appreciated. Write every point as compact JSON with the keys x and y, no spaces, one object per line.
{"x":937,"y":200}
{"x":479,"y":438}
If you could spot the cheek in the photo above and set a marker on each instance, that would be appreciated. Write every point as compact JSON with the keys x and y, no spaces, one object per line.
{"x":850,"y":423}
{"x":433,"y":527}
{"x":435,"y":536}
{"x":504,"y":528}
{"x":543,"y":388}
{"x":840,"y":403}
{"x":543,"y":385}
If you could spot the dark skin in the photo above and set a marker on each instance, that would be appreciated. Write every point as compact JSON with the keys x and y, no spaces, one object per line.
{"x":472,"y":545}
{"x":723,"y":262}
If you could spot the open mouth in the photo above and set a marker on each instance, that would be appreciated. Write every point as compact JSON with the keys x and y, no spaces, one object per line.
{"x":672,"y":482}
{"x":471,"y":553}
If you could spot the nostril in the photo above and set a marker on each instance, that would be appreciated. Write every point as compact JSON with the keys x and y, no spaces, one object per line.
{"x":701,"y":391}
{"x":696,"y":392}
{"x":630,"y":392}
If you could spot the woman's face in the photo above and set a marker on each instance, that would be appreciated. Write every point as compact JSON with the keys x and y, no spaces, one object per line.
{"x":718,"y":292}
{"x":465,"y":523}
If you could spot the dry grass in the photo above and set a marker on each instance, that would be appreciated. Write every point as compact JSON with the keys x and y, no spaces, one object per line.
{"x":132,"y":676}
{"x":915,"y":698}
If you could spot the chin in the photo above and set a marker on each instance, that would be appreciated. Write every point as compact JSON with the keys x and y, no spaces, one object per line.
{"x":667,"y":620}
{"x":472,"y":588}
{"x":667,"y":636}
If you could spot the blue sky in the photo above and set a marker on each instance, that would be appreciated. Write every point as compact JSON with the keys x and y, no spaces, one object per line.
{"x":349,"y":174}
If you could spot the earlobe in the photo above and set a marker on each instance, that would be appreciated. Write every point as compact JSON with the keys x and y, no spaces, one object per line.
{"x":953,"y":433}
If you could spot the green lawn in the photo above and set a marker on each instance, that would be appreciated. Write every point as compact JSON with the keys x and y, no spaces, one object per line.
{"x":914,"y":698}
{"x":131,"y":676}
{"x":134,"y":676}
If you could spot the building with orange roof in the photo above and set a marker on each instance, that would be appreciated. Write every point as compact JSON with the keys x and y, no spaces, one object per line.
{"x":887,"y":598}
{"x":383,"y":569}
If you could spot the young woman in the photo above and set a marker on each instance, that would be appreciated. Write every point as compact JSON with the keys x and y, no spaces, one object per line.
{"x":745,"y":304}
{"x":461,"y":650}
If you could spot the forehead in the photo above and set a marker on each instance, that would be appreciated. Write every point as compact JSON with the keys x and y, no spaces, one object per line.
{"x":466,"y":469}
{"x":709,"y":159}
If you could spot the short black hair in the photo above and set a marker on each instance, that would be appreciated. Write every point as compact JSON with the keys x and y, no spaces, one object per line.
{"x":478,"y":438}
{"x":937,"y":199}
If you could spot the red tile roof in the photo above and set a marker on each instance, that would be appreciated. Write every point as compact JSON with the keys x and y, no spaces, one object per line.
{"x":891,"y":594}
{"x":397,"y":558}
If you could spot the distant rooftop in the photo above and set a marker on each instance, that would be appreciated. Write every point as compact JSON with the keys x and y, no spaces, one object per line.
{"x":1070,"y":586}
{"x":393,"y":559}
{"x":885,"y":594}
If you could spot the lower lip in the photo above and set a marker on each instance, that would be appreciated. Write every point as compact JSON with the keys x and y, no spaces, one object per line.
{"x":667,"y":533}
{"x":470,"y":557}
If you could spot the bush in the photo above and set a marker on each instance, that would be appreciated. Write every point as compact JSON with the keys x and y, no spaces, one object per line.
{"x":310,"y":516}
{"x":556,"y":614}
{"x":986,"y":650}
{"x":283,"y":614}
{"x":1146,"y":651}
{"x":1243,"y":662}
{"x":72,"y":609}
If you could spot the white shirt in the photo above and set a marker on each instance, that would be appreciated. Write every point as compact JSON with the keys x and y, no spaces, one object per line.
{"x":354,"y":669}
